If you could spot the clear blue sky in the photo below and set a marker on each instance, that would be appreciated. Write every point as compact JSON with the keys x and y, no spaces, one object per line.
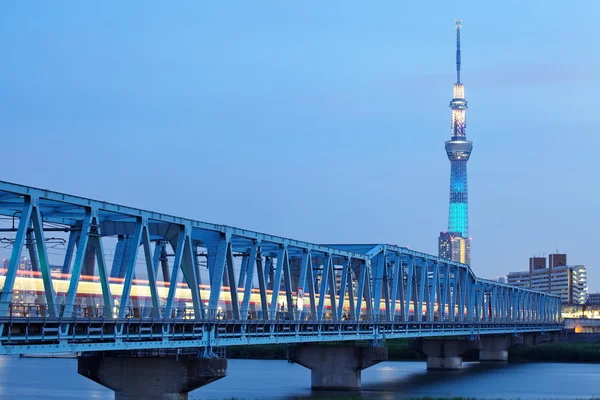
{"x":321,"y":121}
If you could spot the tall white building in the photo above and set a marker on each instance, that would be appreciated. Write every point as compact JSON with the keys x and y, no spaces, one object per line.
{"x":567,"y":281}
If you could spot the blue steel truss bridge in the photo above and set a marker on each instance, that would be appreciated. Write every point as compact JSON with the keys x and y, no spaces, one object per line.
{"x":88,"y":276}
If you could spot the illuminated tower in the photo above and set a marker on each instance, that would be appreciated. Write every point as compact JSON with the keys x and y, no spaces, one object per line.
{"x":458,"y":149}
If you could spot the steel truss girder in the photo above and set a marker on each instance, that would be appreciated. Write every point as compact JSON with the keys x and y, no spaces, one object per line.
{"x":381,"y":282}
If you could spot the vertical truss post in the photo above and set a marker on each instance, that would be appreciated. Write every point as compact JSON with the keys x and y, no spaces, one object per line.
{"x":332,"y":291}
{"x":506,"y":304}
{"x":388,"y":275}
{"x":42,"y":256}
{"x":478,"y":305}
{"x":262,"y":286}
{"x":377,"y":271}
{"x":361,"y":289}
{"x":77,"y":266}
{"x":464,"y":290}
{"x":151,"y":271}
{"x":432,"y":292}
{"x":472,"y":290}
{"x":102,"y":268}
{"x":422,"y":284}
{"x":303,"y":271}
{"x":446,"y":292}
{"x":287,"y":280}
{"x":281,"y":255}
{"x":510,"y":312}
{"x":493,"y":303}
{"x":216,"y":269}
{"x":426,"y":289}
{"x":323,"y":289}
{"x":189,"y":271}
{"x":500,"y":303}
{"x":368,"y":291}
{"x":452,"y":291}
{"x":342,"y":292}
{"x":156,"y":257}
{"x":311,"y":287}
{"x":470,"y":296}
{"x":522,"y":305}
{"x":353,"y":267}
{"x":516,"y":305}
{"x":401,"y":288}
{"x":233,"y":293}
{"x":175,"y":275}
{"x":15,"y":258}
{"x":395,"y":279}
{"x":409,"y":288}
{"x":130,"y":263}
{"x":250,"y":266}
{"x":269,"y":272}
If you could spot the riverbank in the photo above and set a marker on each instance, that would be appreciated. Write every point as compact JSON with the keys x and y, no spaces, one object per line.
{"x":581,"y":352}
{"x":399,"y":350}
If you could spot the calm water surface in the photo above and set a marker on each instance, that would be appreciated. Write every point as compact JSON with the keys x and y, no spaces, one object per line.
{"x":29,"y":379}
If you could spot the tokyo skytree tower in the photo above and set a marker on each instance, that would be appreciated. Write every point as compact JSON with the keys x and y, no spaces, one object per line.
{"x":455,"y":244}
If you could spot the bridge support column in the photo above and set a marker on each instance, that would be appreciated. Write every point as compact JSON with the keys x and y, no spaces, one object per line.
{"x":494,"y":348}
{"x":444,"y":354}
{"x":531,"y":339}
{"x":337,"y":368}
{"x":150,"y":377}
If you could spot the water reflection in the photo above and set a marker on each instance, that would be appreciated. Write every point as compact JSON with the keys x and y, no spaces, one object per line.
{"x":32,"y":379}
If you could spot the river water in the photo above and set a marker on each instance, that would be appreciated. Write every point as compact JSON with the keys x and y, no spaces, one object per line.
{"x":29,"y":379}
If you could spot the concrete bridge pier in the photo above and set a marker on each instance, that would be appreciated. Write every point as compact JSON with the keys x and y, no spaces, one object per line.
{"x":532,"y":339}
{"x":444,"y":354}
{"x":337,"y":367}
{"x":495,"y":348}
{"x":149,"y":376}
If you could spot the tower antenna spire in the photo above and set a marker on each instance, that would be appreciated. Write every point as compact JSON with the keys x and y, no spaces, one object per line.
{"x":458,"y":26}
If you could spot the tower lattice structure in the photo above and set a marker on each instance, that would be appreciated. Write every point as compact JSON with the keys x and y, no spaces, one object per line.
{"x":455,"y":244}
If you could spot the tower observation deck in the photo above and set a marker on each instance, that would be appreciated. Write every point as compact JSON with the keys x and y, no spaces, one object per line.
{"x":455,"y":244}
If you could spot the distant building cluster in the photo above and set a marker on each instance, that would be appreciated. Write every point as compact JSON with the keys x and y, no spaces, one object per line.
{"x":593,"y":299}
{"x":567,"y":281}
{"x":453,"y":246}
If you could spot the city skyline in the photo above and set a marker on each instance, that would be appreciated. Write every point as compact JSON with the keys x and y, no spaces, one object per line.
{"x":322,"y":125}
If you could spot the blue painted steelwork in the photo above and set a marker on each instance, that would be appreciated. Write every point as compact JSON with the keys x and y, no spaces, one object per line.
{"x":247,"y":288}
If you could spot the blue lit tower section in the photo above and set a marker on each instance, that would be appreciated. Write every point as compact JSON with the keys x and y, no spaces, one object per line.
{"x":458,"y":149}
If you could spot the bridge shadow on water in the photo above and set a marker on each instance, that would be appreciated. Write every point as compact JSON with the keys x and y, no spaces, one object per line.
{"x":396,"y":383}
